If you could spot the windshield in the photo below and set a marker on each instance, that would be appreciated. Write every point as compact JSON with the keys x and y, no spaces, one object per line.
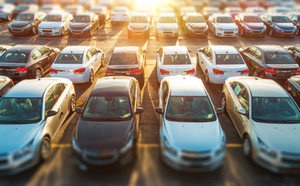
{"x":235,"y":11}
{"x":167,"y":20}
{"x":25,"y":17}
{"x":228,"y":59}
{"x":139,"y":19}
{"x":275,"y":110}
{"x":296,"y":48}
{"x":252,"y":19}
{"x":190,"y":109}
{"x":20,"y":110}
{"x":114,"y":108}
{"x":53,"y":18}
{"x":123,"y":59}
{"x":280,"y":19}
{"x":196,"y":19}
{"x":14,"y":57}
{"x":97,"y":9}
{"x":22,"y":7}
{"x":282,"y":10}
{"x":225,"y":20}
{"x":81,"y":19}
{"x":69,"y":59}
{"x":279,"y":58}
{"x":177,"y":59}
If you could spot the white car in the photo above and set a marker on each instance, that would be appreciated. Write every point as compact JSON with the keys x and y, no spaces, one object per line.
{"x":256,"y":10}
{"x":6,"y":11}
{"x":223,"y":25}
{"x":78,"y":63}
{"x":166,"y":26}
{"x":55,"y":24}
{"x":119,"y":14}
{"x":191,"y":137}
{"x":174,"y":60}
{"x":50,"y":8}
{"x":278,"y":10}
{"x":287,"y":3}
{"x":267,"y":119}
{"x":220,"y":62}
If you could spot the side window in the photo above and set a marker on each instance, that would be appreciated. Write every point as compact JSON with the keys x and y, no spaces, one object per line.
{"x":238,"y":88}
{"x":49,"y":101}
{"x":257,"y":54}
{"x":208,"y":54}
{"x":88,"y":55}
{"x":251,"y":50}
{"x":132,"y":95}
{"x":36,"y":54}
{"x":44,"y":50}
{"x":244,"y":99}
{"x":5,"y":89}
{"x":165,"y":91}
{"x":58,"y":89}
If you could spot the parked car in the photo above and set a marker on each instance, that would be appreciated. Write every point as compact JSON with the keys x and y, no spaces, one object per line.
{"x":249,"y":3}
{"x":198,"y":4}
{"x":294,"y":51}
{"x":256,"y":10}
{"x":102,"y":13}
{"x":295,"y":19}
{"x":223,"y":25}
{"x":26,"y":23}
{"x":3,"y":48}
{"x":265,"y":117}
{"x":74,"y":9}
{"x":120,"y":14}
{"x":78,"y":63}
{"x":271,"y":62}
{"x":139,"y":25}
{"x":174,"y":60}
{"x":287,"y":3}
{"x":24,"y":7}
{"x":292,"y":86}
{"x":127,"y":61}
{"x":50,"y":8}
{"x":5,"y":84}
{"x":108,"y":128}
{"x":186,"y":10}
{"x":191,"y":137}
{"x":6,"y":11}
{"x":209,"y":11}
{"x":31,"y":114}
{"x":279,"y":25}
{"x":55,"y":24}
{"x":213,"y":3}
{"x":233,"y":11}
{"x":23,"y":62}
{"x":194,"y":24}
{"x":166,"y":26}
{"x":250,"y":25}
{"x":268,"y":3}
{"x":278,"y":10}
{"x":85,"y":24}
{"x":231,"y":3}
{"x":219,"y":62}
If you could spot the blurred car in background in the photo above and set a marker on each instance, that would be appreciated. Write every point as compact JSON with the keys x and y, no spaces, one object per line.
{"x":223,"y":25}
{"x":295,"y":19}
{"x":166,"y":26}
{"x":292,"y":86}
{"x":50,"y":8}
{"x":5,"y":84}
{"x":139,"y":25}
{"x":74,"y":9}
{"x":102,"y":13}
{"x":24,"y":7}
{"x":249,"y":3}
{"x":256,"y":10}
{"x":6,"y":11}
{"x":119,"y":14}
{"x":294,"y":51}
{"x":85,"y":24}
{"x":194,"y":24}
{"x":208,"y":11}
{"x":250,"y":25}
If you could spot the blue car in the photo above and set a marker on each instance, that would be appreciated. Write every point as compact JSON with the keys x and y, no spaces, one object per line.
{"x":250,"y":25}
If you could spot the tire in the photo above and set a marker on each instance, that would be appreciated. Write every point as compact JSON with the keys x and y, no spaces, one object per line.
{"x":92,"y":77}
{"x":9,"y":17}
{"x":38,"y":74}
{"x":223,"y":102}
{"x":72,"y":104}
{"x":34,"y":30}
{"x":62,"y":32}
{"x":271,"y":32}
{"x":242,"y":32}
{"x":91,"y":32}
{"x":45,"y":149}
{"x":206,"y":76}
{"x":247,"y":147}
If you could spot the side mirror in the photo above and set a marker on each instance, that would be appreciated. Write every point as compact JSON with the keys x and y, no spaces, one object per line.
{"x":139,"y":110}
{"x":220,"y":110}
{"x":51,"y":113}
{"x":242,"y":111}
{"x":159,"y":110}
{"x":78,"y":110}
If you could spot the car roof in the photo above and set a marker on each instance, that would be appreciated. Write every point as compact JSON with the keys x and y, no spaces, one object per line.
{"x":22,"y":48}
{"x":186,"y":86}
{"x":74,"y":49}
{"x":114,"y":85}
{"x":270,"y":48}
{"x":126,"y":49}
{"x":31,"y":87}
{"x":224,"y":49}
{"x":175,"y":50}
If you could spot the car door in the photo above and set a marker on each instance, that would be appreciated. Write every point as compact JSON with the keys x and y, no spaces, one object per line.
{"x":90,"y":60}
{"x":38,"y":61}
{"x":96,"y":59}
{"x":49,"y":57}
{"x":134,"y":100}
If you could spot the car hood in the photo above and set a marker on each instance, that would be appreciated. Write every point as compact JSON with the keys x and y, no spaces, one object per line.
{"x":20,"y":23}
{"x":45,"y":24}
{"x":102,"y":135}
{"x":194,"y":136}
{"x":227,"y":25}
{"x":258,"y":26}
{"x":282,"y":137}
{"x":16,"y":136}
{"x":283,"y":66}
{"x":167,"y":25}
{"x":79,"y":25}
{"x":288,"y":26}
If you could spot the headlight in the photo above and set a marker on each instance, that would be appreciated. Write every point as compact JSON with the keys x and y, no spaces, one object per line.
{"x":266,"y":150}
{"x":128,"y":146}
{"x":219,"y":28}
{"x":23,"y":152}
{"x":87,"y":27}
{"x":247,"y":27}
{"x":28,"y":26}
{"x":189,"y":27}
{"x":265,"y":28}
{"x":75,"y":146}
{"x":277,"y":27}
{"x":168,"y":147}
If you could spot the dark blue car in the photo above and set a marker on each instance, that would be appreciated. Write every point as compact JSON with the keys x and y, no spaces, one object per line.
{"x":250,"y":25}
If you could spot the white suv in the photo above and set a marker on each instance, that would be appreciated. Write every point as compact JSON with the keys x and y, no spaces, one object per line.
{"x":167,"y":26}
{"x":223,"y":25}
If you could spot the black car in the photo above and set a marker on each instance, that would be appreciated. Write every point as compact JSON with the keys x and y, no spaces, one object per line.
{"x":24,"y":62}
{"x":102,"y":13}
{"x":271,"y":62}
{"x":127,"y":61}
{"x":23,"y":8}
{"x":3,"y":48}
{"x":292,"y":85}
{"x":139,"y":25}
{"x":194,"y":24}
{"x":107,"y":130}
{"x":295,"y":52}
{"x":85,"y":24}
{"x":295,"y":18}
{"x":5,"y":84}
{"x":250,"y":25}
{"x":279,"y":25}
{"x":26,"y":23}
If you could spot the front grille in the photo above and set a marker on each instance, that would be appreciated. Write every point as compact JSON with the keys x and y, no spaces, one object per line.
{"x":288,"y":32}
{"x":17,"y":29}
{"x":47,"y":30}
{"x":100,"y":158}
{"x":196,"y":159}
{"x":256,"y":31}
{"x":76,"y":32}
{"x":139,"y":28}
{"x":291,"y":161}
{"x":76,"y":28}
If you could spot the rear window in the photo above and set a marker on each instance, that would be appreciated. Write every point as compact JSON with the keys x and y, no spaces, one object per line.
{"x":228,"y":59}
{"x":123,"y":59}
{"x":69,"y":59}
{"x":279,"y":58}
{"x":176,"y":59}
{"x":14,"y":57}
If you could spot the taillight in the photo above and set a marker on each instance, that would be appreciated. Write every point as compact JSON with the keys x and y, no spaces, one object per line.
{"x":79,"y":71}
{"x":21,"y":70}
{"x":216,"y":71}
{"x":191,"y":71}
{"x":52,"y":70}
{"x":270,"y":71}
{"x":109,"y":72}
{"x":11,"y":82}
{"x":164,"y":72}
{"x":138,"y":71}
{"x":297,"y":71}
{"x":245,"y":71}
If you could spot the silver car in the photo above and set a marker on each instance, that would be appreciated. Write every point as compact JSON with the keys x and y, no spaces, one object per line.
{"x":267,"y":119}
{"x":191,"y":137}
{"x":30,"y":115}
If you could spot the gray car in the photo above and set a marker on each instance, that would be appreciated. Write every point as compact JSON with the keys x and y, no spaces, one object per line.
{"x":30,"y":115}
{"x":267,"y":119}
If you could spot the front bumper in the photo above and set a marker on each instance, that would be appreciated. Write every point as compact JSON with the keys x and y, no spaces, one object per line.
{"x":138,"y":32}
{"x":80,"y":32}
{"x":197,"y":32}
{"x":20,"y":31}
{"x":49,"y":32}
{"x":289,"y":33}
{"x":254,"y":32}
{"x":227,"y":33}
{"x":167,"y":33}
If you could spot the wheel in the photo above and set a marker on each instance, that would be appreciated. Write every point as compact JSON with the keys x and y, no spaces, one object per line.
{"x":38,"y":74}
{"x":9,"y":17}
{"x":92,"y":77}
{"x":271,"y":32}
{"x":34,"y":30}
{"x":207,"y":77}
{"x":45,"y":148}
{"x":223,"y":102}
{"x":242,"y":32}
{"x":247,"y":147}
{"x":72,"y":104}
{"x":91,"y":32}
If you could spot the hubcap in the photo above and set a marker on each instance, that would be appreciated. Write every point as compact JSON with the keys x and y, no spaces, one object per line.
{"x":38,"y":74}
{"x":246,"y":147}
{"x":45,"y":149}
{"x":223,"y":102}
{"x":73,"y":103}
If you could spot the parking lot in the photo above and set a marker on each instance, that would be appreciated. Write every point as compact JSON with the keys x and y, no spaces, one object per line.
{"x":148,"y":169}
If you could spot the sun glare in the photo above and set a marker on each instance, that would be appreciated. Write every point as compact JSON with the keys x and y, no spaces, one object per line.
{"x":150,"y":3}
